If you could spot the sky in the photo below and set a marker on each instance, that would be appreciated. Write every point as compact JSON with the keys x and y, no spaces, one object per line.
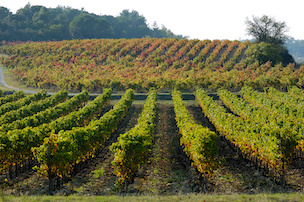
{"x":197,"y":19}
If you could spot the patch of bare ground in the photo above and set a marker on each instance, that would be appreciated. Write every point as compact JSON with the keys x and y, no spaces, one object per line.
{"x":232,"y":52}
{"x":27,"y":183}
{"x":169,"y":171}
{"x":243,"y":55}
{"x":218,"y":57}
{"x":295,"y":175}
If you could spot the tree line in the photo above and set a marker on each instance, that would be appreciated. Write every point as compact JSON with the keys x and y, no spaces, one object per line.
{"x":38,"y":23}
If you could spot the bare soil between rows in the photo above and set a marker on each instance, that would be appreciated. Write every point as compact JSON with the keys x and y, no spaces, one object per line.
{"x":168,"y":171}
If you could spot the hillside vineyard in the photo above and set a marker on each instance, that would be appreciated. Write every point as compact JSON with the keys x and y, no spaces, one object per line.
{"x":94,"y":64}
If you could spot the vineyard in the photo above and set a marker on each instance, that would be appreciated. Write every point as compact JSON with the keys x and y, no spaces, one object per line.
{"x":250,"y":142}
{"x":94,"y":64}
{"x":227,"y":126}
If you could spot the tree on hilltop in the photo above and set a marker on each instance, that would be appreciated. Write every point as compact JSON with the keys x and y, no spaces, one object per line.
{"x":267,"y":32}
{"x":267,"y":29}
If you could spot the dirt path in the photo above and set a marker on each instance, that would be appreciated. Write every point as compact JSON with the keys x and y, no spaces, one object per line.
{"x":3,"y":83}
{"x":169,"y":171}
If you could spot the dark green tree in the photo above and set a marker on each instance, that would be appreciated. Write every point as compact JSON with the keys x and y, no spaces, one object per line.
{"x":262,"y":53}
{"x":38,"y":23}
{"x":131,"y":25}
{"x":5,"y":26}
{"x":267,"y":29}
{"x":270,"y":32}
{"x":88,"y":26}
{"x":4,"y":12}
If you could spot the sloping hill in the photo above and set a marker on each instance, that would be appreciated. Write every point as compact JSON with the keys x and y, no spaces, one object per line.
{"x":142,"y":63}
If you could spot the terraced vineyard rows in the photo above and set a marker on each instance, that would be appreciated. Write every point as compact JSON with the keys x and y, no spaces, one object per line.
{"x":258,"y":150}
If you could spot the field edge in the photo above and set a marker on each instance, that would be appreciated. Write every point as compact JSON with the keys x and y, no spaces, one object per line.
{"x":184,"y":197}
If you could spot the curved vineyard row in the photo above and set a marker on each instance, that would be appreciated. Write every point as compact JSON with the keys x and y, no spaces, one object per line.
{"x":200,"y":143}
{"x":132,"y":148}
{"x":60,"y":152}
{"x":250,"y":138}
{"x":16,"y":144}
{"x":292,"y":118}
{"x":33,"y":108}
{"x":22,"y":102}
{"x":10,"y":98}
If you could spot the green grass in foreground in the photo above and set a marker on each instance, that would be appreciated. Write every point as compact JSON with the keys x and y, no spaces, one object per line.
{"x":191,"y":197}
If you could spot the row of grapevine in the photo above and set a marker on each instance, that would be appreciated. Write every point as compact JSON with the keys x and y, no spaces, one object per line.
{"x":10,"y":98}
{"x":292,"y":117}
{"x":33,"y":108}
{"x":208,"y":46}
{"x":200,"y":143}
{"x":60,"y":152}
{"x":132,"y":148}
{"x":269,"y":123}
{"x":228,"y":51}
{"x":83,"y":116}
{"x":48,"y":114}
{"x":296,"y":93}
{"x":195,"y":50}
{"x":22,"y":102}
{"x":244,"y":134}
{"x":216,"y":52}
{"x":17,"y":144}
{"x":266,"y":103}
{"x":236,"y":56}
{"x":249,"y":111}
{"x":294,"y":103}
{"x":155,"y":56}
